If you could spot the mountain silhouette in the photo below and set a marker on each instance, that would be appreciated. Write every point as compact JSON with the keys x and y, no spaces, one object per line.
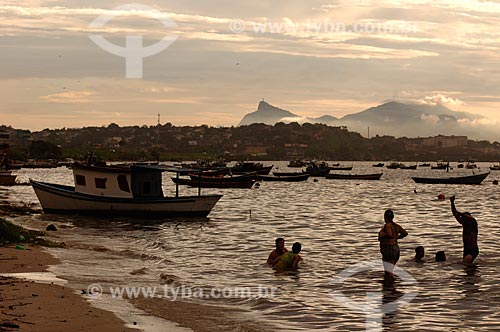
{"x":395,"y":118}
{"x":267,"y":114}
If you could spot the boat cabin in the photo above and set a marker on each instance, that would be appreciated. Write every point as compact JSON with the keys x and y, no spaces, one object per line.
{"x":117,"y":181}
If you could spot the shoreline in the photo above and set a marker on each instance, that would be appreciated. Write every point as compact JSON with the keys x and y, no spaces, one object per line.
{"x":34,"y":299}
{"x":33,"y":306}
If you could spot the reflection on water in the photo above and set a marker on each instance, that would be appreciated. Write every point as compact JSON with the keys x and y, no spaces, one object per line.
{"x":336,"y":222}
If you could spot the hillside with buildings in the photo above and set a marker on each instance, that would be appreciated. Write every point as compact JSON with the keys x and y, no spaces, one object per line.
{"x":257,"y":141}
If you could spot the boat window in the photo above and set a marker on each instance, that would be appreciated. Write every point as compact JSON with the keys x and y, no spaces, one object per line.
{"x":100,"y":183}
{"x":123,"y":183}
{"x":80,"y":180}
{"x":146,"y":187}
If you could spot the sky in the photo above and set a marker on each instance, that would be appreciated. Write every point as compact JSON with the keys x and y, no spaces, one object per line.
{"x":220,"y":58}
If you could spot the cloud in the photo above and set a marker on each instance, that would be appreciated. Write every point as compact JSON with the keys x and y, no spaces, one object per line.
{"x":430,"y":119}
{"x":440,"y":99}
{"x":299,"y":119}
{"x":69,"y":97}
{"x":478,"y":122}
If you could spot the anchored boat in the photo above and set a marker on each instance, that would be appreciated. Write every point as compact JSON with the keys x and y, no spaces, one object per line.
{"x":126,"y":190}
{"x":376,"y":176}
{"x":471,"y":179}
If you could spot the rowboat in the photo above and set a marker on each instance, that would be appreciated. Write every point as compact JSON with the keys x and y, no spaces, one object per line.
{"x":248,"y":167}
{"x":393,"y":166}
{"x":236,"y":178}
{"x":470,"y":179}
{"x":291,"y":178}
{"x":403,"y":166}
{"x":376,"y":176}
{"x":134,"y":190}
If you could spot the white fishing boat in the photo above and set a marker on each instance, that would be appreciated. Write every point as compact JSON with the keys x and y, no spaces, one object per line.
{"x":134,"y":190}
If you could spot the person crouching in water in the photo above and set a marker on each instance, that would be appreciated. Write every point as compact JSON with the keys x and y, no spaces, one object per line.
{"x":388,"y":237}
{"x":289,"y":260}
{"x":280,"y":250}
{"x":419,"y":254}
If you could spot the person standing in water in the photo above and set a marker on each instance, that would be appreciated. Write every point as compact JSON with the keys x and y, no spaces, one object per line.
{"x":280,"y":250}
{"x":469,"y":233}
{"x":388,"y":237}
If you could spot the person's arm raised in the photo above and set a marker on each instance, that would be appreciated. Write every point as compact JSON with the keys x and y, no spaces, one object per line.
{"x":454,"y":210}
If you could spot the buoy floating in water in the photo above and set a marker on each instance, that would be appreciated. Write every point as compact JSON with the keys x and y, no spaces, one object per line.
{"x":441,"y":197}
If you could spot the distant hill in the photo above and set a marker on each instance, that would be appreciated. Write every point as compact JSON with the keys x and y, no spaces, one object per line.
{"x":266,"y":114}
{"x":393,"y":118}
{"x":326,"y":119}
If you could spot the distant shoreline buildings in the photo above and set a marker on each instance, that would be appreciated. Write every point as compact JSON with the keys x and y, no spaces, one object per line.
{"x":256,"y":141}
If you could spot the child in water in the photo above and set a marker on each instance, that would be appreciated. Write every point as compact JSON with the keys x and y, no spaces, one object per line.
{"x":289,"y":260}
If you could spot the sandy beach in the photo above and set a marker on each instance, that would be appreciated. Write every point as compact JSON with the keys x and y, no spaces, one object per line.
{"x":30,"y":306}
{"x":200,"y":317}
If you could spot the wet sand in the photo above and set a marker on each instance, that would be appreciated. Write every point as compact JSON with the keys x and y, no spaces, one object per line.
{"x":30,"y":306}
{"x":201,"y":317}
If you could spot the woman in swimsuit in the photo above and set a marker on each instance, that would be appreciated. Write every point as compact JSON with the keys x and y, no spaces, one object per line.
{"x":389,"y":248}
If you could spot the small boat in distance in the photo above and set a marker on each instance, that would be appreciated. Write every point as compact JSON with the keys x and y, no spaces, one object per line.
{"x":425,"y":165}
{"x":376,"y":176}
{"x":249,"y":167}
{"x":290,"y":178}
{"x":471,"y":165}
{"x":470,"y":179}
{"x":495,"y":167}
{"x":341,"y":168}
{"x":403,"y":166}
{"x":134,"y":190}
{"x":235,"y":178}
{"x":296,"y":163}
{"x":441,"y":165}
{"x":393,"y":166}
{"x":320,"y":169}
{"x":378,"y":165}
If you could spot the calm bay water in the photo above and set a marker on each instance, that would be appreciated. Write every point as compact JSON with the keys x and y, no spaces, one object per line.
{"x":336,"y":222}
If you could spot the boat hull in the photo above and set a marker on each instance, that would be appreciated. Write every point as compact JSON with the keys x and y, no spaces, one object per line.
{"x":291,"y":178}
{"x":472,"y":179}
{"x":354,"y":176}
{"x":237,"y":178}
{"x":64,"y":200}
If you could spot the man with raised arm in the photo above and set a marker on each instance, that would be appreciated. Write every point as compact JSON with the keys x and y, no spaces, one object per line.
{"x":469,"y":232}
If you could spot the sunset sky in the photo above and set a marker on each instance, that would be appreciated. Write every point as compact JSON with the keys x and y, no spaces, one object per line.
{"x":311,"y":57}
